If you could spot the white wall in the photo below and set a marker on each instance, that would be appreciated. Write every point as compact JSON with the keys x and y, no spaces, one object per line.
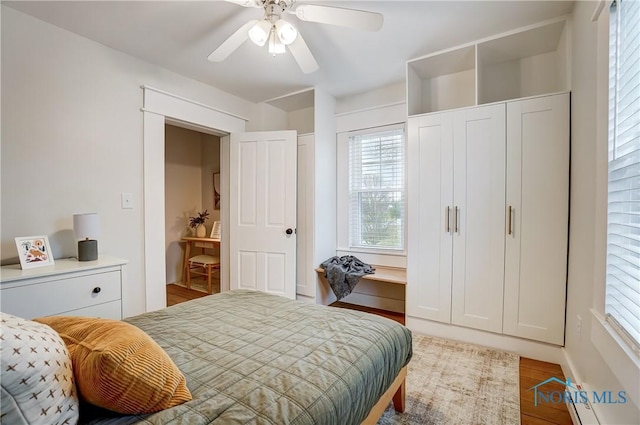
{"x":72,"y":139}
{"x":324,"y":242}
{"x":267,"y":118}
{"x":183,"y":192}
{"x":386,"y":95}
{"x":210,"y":155}
{"x":586,"y":250}
{"x":302,"y":120}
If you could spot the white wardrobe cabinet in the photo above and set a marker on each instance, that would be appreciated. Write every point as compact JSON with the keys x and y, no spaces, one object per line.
{"x":488,"y":241}
{"x":478,"y":217}
{"x":429,"y":201}
{"x":456,"y":241}
{"x":538,"y":199}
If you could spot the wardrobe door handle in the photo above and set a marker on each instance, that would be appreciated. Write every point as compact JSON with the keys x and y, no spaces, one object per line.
{"x":447,"y":227}
{"x":455,"y":219}
{"x":510,"y":220}
{"x":96,"y":290}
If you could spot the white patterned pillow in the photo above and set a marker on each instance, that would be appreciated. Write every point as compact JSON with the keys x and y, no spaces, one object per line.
{"x":37,"y":379}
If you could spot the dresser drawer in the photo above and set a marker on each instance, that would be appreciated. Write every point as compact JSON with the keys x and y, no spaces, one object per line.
{"x":110,"y":310}
{"x":63,"y":295}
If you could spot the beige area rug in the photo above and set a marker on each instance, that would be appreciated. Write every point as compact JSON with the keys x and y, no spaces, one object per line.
{"x":455,"y":383}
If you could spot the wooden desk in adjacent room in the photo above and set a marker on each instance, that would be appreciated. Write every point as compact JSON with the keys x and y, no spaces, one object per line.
{"x":204,"y":243}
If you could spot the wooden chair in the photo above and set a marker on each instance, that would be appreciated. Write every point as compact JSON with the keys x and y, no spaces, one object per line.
{"x":203,"y":265}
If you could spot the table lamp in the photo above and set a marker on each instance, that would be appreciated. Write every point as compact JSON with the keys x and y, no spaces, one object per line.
{"x":86,"y":227}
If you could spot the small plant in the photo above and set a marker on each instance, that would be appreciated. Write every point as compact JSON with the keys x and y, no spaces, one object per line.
{"x":200,"y":219}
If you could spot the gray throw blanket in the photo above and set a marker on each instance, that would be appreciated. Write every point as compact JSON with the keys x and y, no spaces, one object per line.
{"x":344,"y":273}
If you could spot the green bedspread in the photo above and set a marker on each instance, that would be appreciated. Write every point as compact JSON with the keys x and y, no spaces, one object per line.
{"x":254,"y":358}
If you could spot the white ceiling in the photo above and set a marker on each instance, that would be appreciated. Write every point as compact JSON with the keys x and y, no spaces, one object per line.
{"x":179,"y":35}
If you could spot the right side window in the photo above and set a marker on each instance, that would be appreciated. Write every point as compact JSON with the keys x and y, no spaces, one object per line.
{"x":622,"y":303}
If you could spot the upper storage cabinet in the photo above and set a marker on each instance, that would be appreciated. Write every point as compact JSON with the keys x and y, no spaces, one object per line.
{"x":523,"y":64}
{"x":299,"y":107}
{"x":445,"y":80}
{"x":527,"y":62}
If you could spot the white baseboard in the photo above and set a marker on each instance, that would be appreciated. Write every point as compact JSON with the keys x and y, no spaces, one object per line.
{"x":523,"y":347}
{"x":581,"y":413}
{"x":307,"y":299}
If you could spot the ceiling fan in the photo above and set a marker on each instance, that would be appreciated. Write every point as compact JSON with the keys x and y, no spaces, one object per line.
{"x":273,"y":30}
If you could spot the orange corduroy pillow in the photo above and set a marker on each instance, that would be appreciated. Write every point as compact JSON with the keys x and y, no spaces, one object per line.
{"x":119,"y":367}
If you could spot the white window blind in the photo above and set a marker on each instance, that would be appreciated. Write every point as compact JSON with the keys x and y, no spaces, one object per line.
{"x":377,"y":189}
{"x":623,"y":216}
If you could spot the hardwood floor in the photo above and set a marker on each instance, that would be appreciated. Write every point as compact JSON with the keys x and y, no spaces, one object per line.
{"x":532,"y":372}
{"x":177,"y":294}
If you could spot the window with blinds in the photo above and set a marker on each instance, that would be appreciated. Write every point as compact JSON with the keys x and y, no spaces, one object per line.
{"x":623,"y":216}
{"x":377,"y":189}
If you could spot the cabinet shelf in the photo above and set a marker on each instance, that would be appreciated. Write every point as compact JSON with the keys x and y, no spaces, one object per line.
{"x":442,"y":81}
{"x":527,"y":62}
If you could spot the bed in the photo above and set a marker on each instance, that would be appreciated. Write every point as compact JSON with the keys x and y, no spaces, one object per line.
{"x":255,"y":358}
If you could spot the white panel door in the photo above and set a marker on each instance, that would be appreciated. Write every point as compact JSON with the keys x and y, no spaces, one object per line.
{"x":537,"y":232}
{"x":430,"y":202}
{"x":262,"y":209}
{"x":479,"y":217}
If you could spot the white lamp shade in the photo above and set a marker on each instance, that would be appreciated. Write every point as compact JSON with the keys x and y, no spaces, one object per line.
{"x":259,"y":33}
{"x":86,"y":226}
{"x":287,"y":33}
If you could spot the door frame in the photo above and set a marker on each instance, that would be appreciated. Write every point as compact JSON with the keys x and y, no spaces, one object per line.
{"x":160,"y":107}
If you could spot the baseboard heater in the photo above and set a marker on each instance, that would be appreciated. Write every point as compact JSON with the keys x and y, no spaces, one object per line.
{"x":581,"y":413}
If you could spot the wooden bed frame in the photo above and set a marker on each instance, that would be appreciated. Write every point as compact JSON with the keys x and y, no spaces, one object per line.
{"x":396,"y":392}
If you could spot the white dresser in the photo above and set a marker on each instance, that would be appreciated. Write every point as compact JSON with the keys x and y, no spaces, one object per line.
{"x":69,"y":287}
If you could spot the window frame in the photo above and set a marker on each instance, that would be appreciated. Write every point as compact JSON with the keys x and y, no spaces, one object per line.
{"x":375,"y":255}
{"x":612,"y":348}
{"x":615,"y":321}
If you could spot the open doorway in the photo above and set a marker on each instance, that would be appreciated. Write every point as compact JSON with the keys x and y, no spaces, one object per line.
{"x":192,"y":168}
{"x":159,"y":109}
{"x":267,"y":158}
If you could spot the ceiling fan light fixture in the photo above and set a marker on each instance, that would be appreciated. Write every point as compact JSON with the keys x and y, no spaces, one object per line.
{"x":287,"y":33}
{"x":275,"y":46}
{"x":259,"y":33}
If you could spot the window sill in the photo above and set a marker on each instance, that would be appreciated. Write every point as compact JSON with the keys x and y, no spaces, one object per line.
{"x":617,"y":354}
{"x":397,"y":259}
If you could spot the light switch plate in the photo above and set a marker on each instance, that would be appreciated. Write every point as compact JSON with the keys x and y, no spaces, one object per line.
{"x":127,"y":201}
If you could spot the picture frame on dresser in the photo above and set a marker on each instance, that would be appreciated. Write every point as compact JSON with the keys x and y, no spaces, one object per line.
{"x":34,"y":251}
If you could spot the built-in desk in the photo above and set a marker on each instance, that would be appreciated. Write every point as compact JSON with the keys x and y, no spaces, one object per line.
{"x":382,"y":274}
{"x":374,"y":291}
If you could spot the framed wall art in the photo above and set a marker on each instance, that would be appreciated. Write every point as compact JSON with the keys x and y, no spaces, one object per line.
{"x":216,"y":191}
{"x":34,"y":251}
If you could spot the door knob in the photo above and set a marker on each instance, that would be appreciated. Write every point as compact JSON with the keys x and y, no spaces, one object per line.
{"x":289,"y":231}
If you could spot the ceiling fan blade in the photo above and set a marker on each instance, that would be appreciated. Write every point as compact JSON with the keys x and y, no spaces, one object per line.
{"x":234,"y":41}
{"x":301,"y":53}
{"x":360,"y":19}
{"x":245,"y":3}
